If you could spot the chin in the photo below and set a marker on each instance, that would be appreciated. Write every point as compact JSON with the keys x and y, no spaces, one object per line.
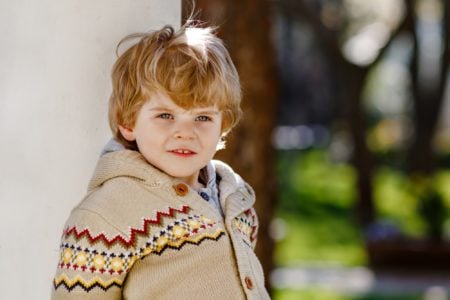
{"x":179,"y":174}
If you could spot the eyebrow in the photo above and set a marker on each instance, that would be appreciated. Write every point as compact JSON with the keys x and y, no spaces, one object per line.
{"x":206,"y":112}
{"x":160,"y":108}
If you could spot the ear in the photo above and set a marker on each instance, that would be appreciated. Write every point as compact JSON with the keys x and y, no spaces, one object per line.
{"x":222,"y":142}
{"x":127,"y":133}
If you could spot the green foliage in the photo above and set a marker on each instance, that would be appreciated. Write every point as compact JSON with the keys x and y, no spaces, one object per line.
{"x":325,"y":239}
{"x":310,"y":294}
{"x":320,"y":294}
{"x":442,"y":185}
{"x":310,"y":180}
{"x":395,"y":202}
{"x":316,"y":204}
{"x":316,"y":199}
{"x":433,"y":211}
{"x":417,"y":205}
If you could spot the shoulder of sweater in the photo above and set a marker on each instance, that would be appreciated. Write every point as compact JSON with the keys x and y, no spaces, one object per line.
{"x":123,"y":192}
{"x":120,"y":213}
{"x":127,"y":199}
{"x":129,"y":164}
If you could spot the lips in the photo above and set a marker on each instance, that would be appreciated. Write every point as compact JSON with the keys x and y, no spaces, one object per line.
{"x":182,"y":152}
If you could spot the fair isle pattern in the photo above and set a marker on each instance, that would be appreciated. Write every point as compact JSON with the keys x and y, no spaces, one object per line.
{"x":246,"y":225}
{"x":191,"y":229}
{"x":175,"y":235}
{"x":94,"y":261}
{"x":127,"y":242}
{"x":186,"y":230}
{"x":69,"y":284}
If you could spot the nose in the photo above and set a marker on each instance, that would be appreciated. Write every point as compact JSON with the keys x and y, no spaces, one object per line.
{"x":184,"y":130}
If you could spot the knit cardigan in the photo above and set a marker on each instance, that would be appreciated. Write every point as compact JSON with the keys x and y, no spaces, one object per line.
{"x":141,"y":234}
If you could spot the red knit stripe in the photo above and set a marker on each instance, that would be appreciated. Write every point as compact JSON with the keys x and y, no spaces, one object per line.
{"x":119,"y":238}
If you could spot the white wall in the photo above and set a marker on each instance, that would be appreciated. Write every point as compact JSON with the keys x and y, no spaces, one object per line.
{"x":55,"y":62}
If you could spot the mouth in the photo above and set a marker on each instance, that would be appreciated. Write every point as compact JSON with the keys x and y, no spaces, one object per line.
{"x":182,"y":152}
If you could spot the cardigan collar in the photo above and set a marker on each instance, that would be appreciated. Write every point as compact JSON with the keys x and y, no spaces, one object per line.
{"x":129,"y":163}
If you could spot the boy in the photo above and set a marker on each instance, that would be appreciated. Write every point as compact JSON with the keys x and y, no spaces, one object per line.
{"x":161,"y":219}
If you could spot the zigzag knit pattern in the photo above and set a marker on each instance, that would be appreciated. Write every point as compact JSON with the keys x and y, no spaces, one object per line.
{"x":94,"y":259}
{"x":96,"y":282}
{"x":134,"y":232}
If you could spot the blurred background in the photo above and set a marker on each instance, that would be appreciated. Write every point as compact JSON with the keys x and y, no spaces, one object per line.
{"x":346,"y":140}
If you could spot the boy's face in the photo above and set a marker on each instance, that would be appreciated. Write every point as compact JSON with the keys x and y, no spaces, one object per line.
{"x":177,"y":141}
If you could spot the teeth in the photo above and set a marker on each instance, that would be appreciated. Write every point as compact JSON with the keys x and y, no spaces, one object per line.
{"x":183,"y":151}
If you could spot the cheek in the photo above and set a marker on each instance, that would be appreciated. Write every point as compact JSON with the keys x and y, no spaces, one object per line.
{"x":211,"y":133}
{"x":213,"y":140}
{"x":209,"y":128}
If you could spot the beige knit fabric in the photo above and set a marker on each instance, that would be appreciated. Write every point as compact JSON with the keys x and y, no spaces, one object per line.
{"x":141,"y":234}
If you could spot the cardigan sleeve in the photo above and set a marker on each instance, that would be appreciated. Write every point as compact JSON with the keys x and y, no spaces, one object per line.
{"x":94,"y":261}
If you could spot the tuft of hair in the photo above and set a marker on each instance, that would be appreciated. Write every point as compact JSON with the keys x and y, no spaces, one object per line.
{"x":191,"y":66}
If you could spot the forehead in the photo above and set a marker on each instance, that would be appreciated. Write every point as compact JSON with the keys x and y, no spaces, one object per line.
{"x":161,"y":101}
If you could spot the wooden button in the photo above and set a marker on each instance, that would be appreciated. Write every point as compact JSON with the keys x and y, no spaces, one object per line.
{"x":249,"y":283}
{"x":181,"y":189}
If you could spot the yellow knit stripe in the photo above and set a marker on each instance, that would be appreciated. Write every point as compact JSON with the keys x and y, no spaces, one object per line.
{"x":197,"y":239}
{"x":86,"y":285}
{"x":87,"y":260}
{"x":161,"y":245}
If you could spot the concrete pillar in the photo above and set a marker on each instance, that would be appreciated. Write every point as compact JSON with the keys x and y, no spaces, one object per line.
{"x":55,"y":63}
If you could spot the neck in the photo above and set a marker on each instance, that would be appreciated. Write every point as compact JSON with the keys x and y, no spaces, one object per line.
{"x":193,"y":181}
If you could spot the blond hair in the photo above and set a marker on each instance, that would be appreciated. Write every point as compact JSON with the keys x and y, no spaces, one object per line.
{"x":191,"y":66}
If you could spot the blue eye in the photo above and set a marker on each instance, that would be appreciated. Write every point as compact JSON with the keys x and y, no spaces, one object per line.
{"x":203,"y":118}
{"x":165,"y":116}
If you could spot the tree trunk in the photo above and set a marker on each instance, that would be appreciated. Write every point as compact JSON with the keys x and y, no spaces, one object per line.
{"x":245,"y":27}
{"x":427,"y":101}
{"x":353,"y":81}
